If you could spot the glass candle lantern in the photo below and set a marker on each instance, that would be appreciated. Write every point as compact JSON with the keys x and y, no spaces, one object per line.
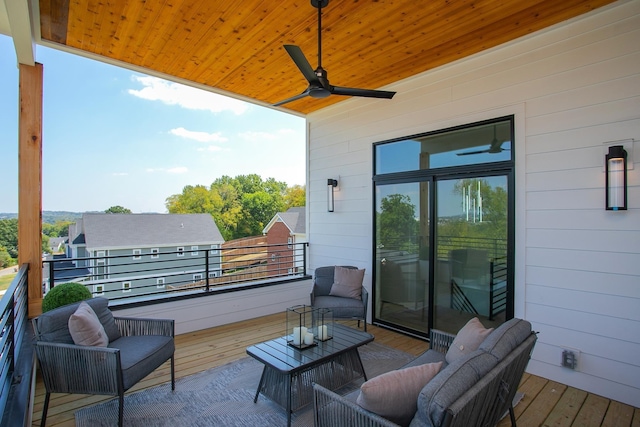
{"x":300,"y":327}
{"x":323,"y":323}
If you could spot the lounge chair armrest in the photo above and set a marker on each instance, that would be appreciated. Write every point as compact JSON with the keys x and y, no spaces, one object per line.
{"x":440,"y":340}
{"x":333,"y":410}
{"x":130,"y":326}
{"x":69,"y":368}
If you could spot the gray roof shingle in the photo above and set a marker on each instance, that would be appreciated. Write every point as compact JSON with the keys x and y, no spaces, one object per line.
{"x":106,"y":231}
{"x":294,"y":219}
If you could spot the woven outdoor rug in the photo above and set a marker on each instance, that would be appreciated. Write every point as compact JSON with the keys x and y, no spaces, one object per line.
{"x":222,"y":396}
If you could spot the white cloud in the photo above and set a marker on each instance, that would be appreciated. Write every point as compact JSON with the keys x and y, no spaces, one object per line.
{"x":253,"y":136}
{"x":281,"y":134}
{"x":198,"y":136}
{"x":155,"y":89}
{"x":211,"y":148}
{"x":180,"y":169}
{"x":176,"y":170}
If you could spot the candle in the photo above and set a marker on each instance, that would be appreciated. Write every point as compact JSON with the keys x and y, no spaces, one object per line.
{"x":308,"y":338}
{"x":323,"y":334}
{"x":299,"y":334}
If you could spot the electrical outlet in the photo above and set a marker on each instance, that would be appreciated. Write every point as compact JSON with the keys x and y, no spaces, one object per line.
{"x":570,"y":358}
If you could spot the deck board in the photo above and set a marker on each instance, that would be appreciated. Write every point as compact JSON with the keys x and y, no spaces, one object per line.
{"x":545,"y":403}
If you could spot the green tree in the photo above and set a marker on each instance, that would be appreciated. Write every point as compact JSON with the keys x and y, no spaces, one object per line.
{"x":295,"y":196}
{"x":59,"y":229}
{"x":118,"y":209}
{"x":9,"y":236}
{"x":5,"y":258}
{"x":397,"y":222}
{"x":240,"y":206}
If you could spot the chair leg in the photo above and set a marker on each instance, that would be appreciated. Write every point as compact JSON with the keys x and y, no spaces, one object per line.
{"x":512,"y":415}
{"x":43,"y":421}
{"x":173,"y":374}
{"x":120,"y":409}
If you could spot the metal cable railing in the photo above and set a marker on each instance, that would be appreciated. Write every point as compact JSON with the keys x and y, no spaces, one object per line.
{"x":161,"y":271}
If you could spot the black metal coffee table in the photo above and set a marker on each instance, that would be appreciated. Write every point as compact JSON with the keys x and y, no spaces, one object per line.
{"x":289,"y":373}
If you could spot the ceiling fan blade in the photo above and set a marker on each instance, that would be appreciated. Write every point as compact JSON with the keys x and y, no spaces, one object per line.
{"x":467,"y":153}
{"x":293,"y":98}
{"x":303,"y":65}
{"x":367,"y":93}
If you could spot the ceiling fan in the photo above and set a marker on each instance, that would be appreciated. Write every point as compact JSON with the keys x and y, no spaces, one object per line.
{"x":494,"y":147}
{"x":319,"y":86}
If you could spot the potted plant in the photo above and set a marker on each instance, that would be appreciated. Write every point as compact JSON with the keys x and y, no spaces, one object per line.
{"x":63,"y":294}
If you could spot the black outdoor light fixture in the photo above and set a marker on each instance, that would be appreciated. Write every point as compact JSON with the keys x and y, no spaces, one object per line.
{"x":331,"y":185}
{"x":616,"y":178}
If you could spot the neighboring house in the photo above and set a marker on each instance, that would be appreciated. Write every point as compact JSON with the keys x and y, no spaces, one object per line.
{"x":56,"y":244}
{"x":283,"y":232}
{"x":144,"y":253}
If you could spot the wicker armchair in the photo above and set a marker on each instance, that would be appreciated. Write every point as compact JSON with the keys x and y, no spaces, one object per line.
{"x":136,"y":348}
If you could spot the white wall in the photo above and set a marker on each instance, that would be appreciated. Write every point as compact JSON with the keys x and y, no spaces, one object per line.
{"x":571,"y":88}
{"x":221,"y":309}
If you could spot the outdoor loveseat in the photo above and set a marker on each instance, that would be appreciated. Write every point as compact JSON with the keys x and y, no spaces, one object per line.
{"x":105,"y":365}
{"x":476,"y":389}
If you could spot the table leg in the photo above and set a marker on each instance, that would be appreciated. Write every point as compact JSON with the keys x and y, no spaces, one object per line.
{"x":264,"y":370}
{"x":364,"y":373}
{"x":289,"y":380}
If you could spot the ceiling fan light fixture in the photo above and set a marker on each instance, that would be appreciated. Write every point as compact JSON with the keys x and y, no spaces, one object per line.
{"x":319,"y":92}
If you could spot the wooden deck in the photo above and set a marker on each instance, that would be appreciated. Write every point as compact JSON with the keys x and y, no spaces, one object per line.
{"x":545,"y":403}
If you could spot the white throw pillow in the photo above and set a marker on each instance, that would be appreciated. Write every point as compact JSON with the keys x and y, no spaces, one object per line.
{"x":85,"y":327}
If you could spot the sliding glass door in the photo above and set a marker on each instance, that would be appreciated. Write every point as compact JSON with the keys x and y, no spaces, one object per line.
{"x":443,"y":226}
{"x":471,"y":251}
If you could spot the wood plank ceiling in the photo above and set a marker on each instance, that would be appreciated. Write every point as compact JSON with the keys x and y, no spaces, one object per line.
{"x":236,"y":46}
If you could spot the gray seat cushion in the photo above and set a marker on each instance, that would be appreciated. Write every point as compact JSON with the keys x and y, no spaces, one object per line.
{"x":140,"y":353}
{"x":506,"y":337}
{"x":53,"y":326}
{"x":341,"y":307}
{"x":449,"y":385}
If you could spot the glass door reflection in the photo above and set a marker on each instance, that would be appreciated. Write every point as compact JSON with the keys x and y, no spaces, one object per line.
{"x":402,"y":255}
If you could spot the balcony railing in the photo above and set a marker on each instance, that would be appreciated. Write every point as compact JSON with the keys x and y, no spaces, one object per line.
{"x":16,"y":353}
{"x":138,"y":275}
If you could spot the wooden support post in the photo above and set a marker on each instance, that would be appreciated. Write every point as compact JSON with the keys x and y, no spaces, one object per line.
{"x":30,"y":181}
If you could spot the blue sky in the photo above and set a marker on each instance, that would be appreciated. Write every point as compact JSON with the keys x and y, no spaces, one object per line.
{"x":112,"y":136}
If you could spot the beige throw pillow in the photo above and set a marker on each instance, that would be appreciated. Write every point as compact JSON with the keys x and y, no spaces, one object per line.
{"x":468,"y":340}
{"x":347,"y":282}
{"x":85,"y":327}
{"x":394,"y":395}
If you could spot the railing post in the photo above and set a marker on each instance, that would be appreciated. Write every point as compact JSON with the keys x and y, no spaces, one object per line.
{"x":206,"y":269}
{"x":51,"y":278}
{"x":12,"y":325}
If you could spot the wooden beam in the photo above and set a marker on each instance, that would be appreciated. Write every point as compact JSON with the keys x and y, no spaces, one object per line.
{"x":20,"y":23}
{"x":30,"y":181}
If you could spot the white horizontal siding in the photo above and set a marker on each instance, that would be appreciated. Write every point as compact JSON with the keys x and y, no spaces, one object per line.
{"x":571,"y":88}
{"x":221,"y":309}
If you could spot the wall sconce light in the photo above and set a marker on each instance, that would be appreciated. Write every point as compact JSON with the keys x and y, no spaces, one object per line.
{"x":331,"y":185}
{"x":616,"y":178}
